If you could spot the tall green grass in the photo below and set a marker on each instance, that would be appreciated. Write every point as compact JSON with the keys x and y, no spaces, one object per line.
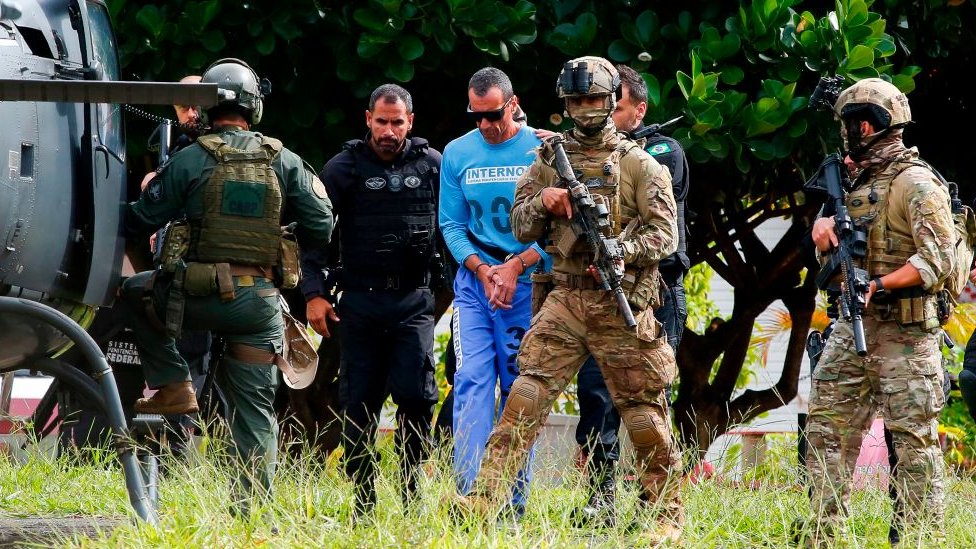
{"x":312,"y":506}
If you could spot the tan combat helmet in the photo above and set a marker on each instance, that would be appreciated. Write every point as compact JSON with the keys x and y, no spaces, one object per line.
{"x":888,"y":103}
{"x":588,"y":75}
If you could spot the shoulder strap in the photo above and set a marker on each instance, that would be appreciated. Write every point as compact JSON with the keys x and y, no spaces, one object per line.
{"x":211,"y":143}
{"x":273,"y":145}
{"x":352,"y":145}
{"x":418,"y":147}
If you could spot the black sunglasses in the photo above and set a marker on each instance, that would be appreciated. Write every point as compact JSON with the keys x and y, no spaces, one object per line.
{"x":491,"y":116}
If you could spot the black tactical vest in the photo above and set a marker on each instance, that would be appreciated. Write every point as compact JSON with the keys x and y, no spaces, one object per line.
{"x":389,"y":229}
{"x":665,"y":150}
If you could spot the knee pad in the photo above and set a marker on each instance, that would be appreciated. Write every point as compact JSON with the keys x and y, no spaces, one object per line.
{"x":525,"y":399}
{"x":643,"y":430}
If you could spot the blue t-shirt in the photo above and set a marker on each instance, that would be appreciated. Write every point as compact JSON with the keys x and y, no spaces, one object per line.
{"x":477,"y":189}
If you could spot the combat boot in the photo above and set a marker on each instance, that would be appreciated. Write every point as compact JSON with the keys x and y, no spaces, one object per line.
{"x":665,"y":534}
{"x":175,"y":398}
{"x":474,"y":506}
{"x":600,"y":510}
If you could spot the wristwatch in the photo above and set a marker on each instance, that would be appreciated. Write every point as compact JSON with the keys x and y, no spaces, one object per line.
{"x":879,"y":289}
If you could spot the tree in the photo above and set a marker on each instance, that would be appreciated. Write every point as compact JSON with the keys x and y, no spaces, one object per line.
{"x":739,"y":74}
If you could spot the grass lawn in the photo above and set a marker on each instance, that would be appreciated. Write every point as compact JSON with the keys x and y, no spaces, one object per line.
{"x":312,"y":504}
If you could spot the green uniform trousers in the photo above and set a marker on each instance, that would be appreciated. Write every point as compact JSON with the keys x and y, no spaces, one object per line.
{"x":252,"y":318}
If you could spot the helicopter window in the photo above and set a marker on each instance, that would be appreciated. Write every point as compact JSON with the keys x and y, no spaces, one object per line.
{"x":35,"y":40}
{"x":26,"y":160}
{"x":104,"y":47}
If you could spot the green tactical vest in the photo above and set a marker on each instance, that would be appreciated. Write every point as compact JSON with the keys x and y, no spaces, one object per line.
{"x":241,"y":220}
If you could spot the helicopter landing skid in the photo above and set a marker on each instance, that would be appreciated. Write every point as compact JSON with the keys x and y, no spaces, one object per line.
{"x":108,"y":398}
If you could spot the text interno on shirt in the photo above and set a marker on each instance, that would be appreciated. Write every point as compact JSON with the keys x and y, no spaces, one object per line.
{"x":494,"y":174}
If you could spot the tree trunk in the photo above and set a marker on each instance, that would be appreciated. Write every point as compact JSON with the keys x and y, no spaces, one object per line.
{"x":705,"y":407}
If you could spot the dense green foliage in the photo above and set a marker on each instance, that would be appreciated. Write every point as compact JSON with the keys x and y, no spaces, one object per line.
{"x":740,"y":73}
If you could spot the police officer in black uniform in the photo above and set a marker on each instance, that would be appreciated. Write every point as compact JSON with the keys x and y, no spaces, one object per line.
{"x":385,"y":194}
{"x":599,"y":421}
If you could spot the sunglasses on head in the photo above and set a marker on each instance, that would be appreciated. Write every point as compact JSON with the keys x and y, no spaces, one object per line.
{"x":491,"y":116}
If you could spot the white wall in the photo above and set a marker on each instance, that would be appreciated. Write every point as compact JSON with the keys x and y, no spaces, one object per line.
{"x":784,"y":417}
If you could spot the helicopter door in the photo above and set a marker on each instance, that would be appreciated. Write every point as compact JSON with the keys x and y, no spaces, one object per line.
{"x":103,"y":147}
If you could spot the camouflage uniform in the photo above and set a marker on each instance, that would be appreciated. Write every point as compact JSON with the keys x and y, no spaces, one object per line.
{"x":578,"y":320}
{"x":905,"y":210}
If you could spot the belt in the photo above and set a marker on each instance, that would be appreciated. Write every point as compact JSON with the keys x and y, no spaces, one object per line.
{"x":251,"y":355}
{"x":351,"y":281}
{"x":578,"y":282}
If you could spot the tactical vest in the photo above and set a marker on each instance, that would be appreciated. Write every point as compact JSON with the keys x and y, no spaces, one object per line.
{"x":867,"y":205}
{"x":389,"y":227}
{"x":241,"y":220}
{"x":662,"y":148}
{"x":888,"y":250}
{"x":599,"y":170}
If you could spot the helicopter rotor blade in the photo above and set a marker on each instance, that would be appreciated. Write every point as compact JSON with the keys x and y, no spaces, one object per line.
{"x":97,"y":91}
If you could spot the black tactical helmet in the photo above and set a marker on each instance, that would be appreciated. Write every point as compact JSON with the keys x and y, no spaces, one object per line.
{"x":238,"y":85}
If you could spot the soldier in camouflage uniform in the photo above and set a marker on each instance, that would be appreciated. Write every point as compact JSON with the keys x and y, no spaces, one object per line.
{"x":579,"y":318}
{"x":904,"y":208}
{"x":236,"y":188}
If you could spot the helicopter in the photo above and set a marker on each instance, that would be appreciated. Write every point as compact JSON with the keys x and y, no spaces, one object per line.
{"x":63,"y":186}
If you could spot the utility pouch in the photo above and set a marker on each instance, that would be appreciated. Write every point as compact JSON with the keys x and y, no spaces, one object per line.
{"x":643,"y":288}
{"x":174,"y":246}
{"x":225,"y":282}
{"x":289,"y":270}
{"x":175,"y":302}
{"x":542,"y":284}
{"x":915,"y":308}
{"x":200,"y":279}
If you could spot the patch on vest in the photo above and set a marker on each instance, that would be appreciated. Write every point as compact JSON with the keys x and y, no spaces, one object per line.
{"x":857,"y":202}
{"x":155,"y":190}
{"x":594,"y":182}
{"x":660,"y":148}
{"x":412,"y":182}
{"x":244,"y":198}
{"x":318,"y":187}
{"x":375,"y":183}
{"x":396,"y":183}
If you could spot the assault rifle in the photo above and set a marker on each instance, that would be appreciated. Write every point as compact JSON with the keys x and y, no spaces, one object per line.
{"x":654,"y":128}
{"x":851,"y":244}
{"x":589,"y":220}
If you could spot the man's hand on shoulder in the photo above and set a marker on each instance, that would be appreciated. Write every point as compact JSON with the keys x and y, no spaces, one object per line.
{"x":544,"y":134}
